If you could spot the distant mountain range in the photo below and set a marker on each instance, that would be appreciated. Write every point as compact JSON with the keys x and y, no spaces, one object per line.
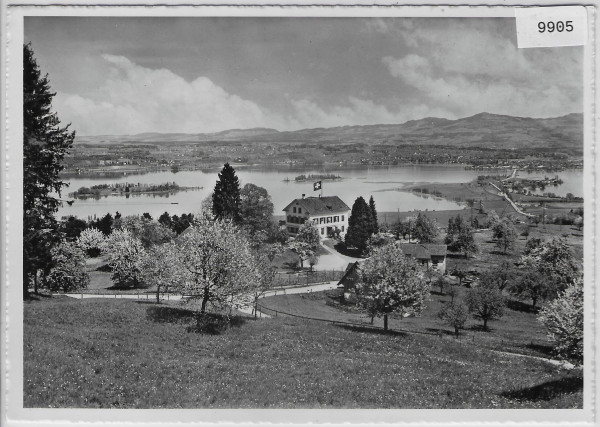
{"x":481,"y":130}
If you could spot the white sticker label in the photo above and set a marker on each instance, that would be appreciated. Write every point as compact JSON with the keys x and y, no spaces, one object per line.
{"x":551,"y":26}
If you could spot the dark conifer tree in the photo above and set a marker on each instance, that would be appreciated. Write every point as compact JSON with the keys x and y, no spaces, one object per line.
{"x":374,"y":222}
{"x":45,"y":144}
{"x":226,"y":197}
{"x":165,"y":219}
{"x":359,"y":225}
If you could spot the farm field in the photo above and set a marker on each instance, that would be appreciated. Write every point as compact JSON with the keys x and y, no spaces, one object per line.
{"x":127,"y":354}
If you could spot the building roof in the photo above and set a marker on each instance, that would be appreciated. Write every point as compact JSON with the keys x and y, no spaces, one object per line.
{"x":351,"y":269}
{"x":320,"y":205}
{"x":423,"y":250}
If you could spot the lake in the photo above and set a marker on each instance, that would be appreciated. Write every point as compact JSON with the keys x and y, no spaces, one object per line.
{"x":383,"y":183}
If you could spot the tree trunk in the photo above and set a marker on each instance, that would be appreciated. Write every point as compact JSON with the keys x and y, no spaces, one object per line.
{"x":35,"y":283}
{"x":456,"y":331}
{"x":204,"y":300}
{"x":372,"y":318}
{"x":385,"y":322}
{"x":533,"y":303}
{"x":485,"y":323}
{"x":158,"y":294}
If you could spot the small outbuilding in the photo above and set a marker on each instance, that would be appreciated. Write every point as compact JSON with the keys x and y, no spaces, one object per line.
{"x":430,"y":255}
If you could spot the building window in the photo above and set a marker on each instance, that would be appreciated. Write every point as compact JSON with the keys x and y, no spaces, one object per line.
{"x":294,"y":210}
{"x":322,"y":230}
{"x":336,"y":218}
{"x":342,"y":217}
{"x":322,"y":220}
{"x":342,"y":228}
{"x":328,"y":220}
{"x":299,"y":210}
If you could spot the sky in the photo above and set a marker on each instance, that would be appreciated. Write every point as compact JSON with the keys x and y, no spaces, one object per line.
{"x":122,"y":75}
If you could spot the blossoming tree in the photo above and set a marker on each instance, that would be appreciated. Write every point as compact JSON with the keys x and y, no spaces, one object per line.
{"x":390,"y":282}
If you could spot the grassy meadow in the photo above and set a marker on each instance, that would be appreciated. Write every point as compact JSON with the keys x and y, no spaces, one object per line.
{"x":130,"y":354}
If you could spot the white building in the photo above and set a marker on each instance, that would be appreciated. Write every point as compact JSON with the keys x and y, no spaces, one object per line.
{"x":326,"y":213}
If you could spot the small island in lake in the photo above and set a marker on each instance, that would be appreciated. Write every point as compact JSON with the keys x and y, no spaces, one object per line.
{"x":128,"y":188}
{"x":318,"y":177}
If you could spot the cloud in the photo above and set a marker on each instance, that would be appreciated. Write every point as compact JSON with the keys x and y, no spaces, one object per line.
{"x":134,"y":99}
{"x":470,"y":66}
{"x":357,"y":111}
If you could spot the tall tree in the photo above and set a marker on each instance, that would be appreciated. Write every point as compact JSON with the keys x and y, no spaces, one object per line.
{"x":160,"y":268}
{"x":374,"y":222}
{"x":506,"y":234}
{"x":555,"y":262}
{"x":454,"y":314}
{"x":485,"y":303}
{"x":378,"y":240}
{"x":459,"y":237}
{"x":359,"y":225}
{"x":391,"y":282}
{"x":218,"y":264}
{"x":306,"y":243}
{"x":424,"y":229}
{"x":72,"y":228}
{"x":91,"y":241}
{"x":226,"y":196}
{"x":532,"y":285}
{"x":564,"y":320}
{"x":68,"y":272}
{"x":256,"y":209}
{"x":45,"y":144}
{"x":125,"y":255}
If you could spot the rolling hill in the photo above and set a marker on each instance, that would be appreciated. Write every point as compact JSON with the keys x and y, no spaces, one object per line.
{"x":481,"y":130}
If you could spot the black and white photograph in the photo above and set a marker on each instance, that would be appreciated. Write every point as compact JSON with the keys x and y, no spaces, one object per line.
{"x":299,"y":212}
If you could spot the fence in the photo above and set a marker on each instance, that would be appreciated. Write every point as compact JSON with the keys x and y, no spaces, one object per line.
{"x":306,"y":278}
{"x":124,"y":293}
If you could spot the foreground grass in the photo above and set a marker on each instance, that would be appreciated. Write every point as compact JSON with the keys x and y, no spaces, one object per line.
{"x":117,"y":353}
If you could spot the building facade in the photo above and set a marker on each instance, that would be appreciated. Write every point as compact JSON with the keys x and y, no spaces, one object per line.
{"x":328,"y":214}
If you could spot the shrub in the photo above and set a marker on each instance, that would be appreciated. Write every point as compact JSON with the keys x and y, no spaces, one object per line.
{"x":91,"y":241}
{"x":564,"y":320}
{"x":68,"y":273}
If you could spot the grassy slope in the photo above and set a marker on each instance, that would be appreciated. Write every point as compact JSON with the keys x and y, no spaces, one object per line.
{"x":116,"y":353}
{"x":518,"y":331}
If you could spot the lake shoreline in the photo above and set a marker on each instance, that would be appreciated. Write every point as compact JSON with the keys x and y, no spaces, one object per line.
{"x":117,"y":171}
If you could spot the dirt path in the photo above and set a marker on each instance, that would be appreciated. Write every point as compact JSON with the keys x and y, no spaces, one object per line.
{"x":334,"y":260}
{"x":559,"y":363}
{"x":319,"y":287}
{"x":515,"y":207}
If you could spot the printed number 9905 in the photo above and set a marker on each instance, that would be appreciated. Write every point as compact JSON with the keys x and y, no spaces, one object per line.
{"x":558,"y":26}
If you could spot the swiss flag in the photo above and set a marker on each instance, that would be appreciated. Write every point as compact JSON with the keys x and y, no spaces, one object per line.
{"x":317,"y":186}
